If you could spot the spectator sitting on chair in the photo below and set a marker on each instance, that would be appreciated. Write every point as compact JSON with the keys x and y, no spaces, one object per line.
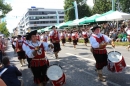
{"x":10,"y":76}
{"x":124,"y":37}
{"x":119,"y":37}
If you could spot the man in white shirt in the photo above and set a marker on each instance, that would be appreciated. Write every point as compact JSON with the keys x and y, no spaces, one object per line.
{"x":55,"y":38}
{"x":39,"y":63}
{"x":99,"y":42}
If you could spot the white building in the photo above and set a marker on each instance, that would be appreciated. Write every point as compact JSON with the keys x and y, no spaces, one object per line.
{"x":38,"y":18}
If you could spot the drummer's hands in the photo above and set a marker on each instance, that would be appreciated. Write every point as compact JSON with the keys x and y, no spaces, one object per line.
{"x":113,"y":45}
{"x":103,"y":45}
{"x":37,"y":48}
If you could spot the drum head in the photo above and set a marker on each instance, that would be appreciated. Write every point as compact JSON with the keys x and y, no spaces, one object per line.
{"x":114,"y":56}
{"x":54,"y":72}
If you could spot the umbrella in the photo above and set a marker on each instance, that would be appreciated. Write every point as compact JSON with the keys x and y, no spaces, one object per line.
{"x":77,"y":21}
{"x":114,"y":16}
{"x":90,"y":19}
{"x":66,"y":24}
{"x":60,"y":25}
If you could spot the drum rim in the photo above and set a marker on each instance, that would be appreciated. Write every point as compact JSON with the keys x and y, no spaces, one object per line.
{"x":114,"y":51}
{"x":54,"y":65}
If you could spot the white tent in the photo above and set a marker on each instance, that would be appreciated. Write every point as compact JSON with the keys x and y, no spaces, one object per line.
{"x":114,"y":16}
{"x":77,"y":21}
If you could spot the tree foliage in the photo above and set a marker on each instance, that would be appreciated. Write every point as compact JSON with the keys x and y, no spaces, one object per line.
{"x":83,"y":9}
{"x":125,"y":5}
{"x":102,"y":6}
{"x":3,"y":29}
{"x":4,"y":8}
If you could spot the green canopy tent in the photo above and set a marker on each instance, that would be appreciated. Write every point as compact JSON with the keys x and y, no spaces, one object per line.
{"x":60,"y":25}
{"x":90,"y":19}
{"x":77,"y":21}
{"x":66,"y":24}
{"x":103,"y":15}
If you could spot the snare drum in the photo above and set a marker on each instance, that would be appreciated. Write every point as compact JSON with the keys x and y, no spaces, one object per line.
{"x":56,"y":75}
{"x":116,"y":62}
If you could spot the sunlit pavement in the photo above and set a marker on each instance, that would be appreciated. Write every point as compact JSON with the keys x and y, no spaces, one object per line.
{"x":78,"y":65}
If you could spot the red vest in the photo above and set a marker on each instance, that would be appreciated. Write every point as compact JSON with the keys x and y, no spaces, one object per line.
{"x":69,"y":35}
{"x":19,"y":44}
{"x":63,"y":36}
{"x":40,"y":55}
{"x":44,"y":39}
{"x":55,"y":36}
{"x":74,"y":37}
{"x":102,"y":50}
{"x":85,"y":35}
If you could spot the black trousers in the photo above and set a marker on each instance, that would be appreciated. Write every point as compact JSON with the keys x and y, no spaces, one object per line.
{"x":56,"y":47}
{"x":101,"y":60}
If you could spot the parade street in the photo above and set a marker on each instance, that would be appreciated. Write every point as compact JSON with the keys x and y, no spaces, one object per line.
{"x":79,"y":67}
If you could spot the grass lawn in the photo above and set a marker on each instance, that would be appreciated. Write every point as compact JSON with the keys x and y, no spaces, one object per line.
{"x":116,"y":43}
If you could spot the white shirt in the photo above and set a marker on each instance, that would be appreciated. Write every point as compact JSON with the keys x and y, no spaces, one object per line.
{"x":14,"y":43}
{"x":29,"y":52}
{"x":94,"y":42}
{"x":24,"y":45}
{"x":63,"y":34}
{"x":84,"y":33}
{"x":69,"y":34}
{"x":73,"y":34}
{"x":52,"y":32}
{"x":127,"y":30}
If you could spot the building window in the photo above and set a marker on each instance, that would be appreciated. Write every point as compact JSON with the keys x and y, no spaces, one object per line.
{"x":21,"y":32}
{"x":61,"y":16}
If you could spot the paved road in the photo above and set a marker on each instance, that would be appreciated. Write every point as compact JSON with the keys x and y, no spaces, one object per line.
{"x":78,"y":65}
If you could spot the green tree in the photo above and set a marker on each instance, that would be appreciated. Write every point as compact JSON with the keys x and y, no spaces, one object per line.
{"x":3,"y":29}
{"x":125,"y":5}
{"x":101,"y":6}
{"x":83,"y":9}
{"x":4,"y":8}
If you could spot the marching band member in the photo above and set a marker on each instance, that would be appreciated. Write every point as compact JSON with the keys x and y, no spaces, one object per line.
{"x":85,"y":36}
{"x":12,"y":40}
{"x":14,"y":44}
{"x":44,"y":37}
{"x":74,"y":38}
{"x":127,"y":29}
{"x":25,"y":44}
{"x":69,"y":37}
{"x":19,"y":50}
{"x":39,"y":63}
{"x":63,"y":37}
{"x":55,"y":37}
{"x":77,"y":36}
{"x":98,"y":43}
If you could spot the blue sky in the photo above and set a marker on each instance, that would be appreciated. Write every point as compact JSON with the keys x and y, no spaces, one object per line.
{"x":20,"y":7}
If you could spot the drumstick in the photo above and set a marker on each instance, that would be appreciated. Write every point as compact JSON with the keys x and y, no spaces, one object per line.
{"x":113,"y":49}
